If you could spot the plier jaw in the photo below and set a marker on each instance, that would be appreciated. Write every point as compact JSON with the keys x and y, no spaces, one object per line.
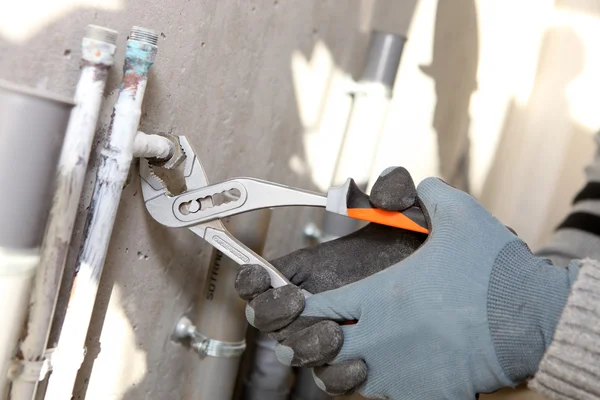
{"x":159,"y":202}
{"x":162,"y":207}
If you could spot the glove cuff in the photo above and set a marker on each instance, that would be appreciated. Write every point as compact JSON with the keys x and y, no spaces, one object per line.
{"x":526,"y":297}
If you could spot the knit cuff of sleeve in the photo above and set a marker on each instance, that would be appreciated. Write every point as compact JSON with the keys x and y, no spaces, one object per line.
{"x":526,"y":297}
{"x":570,"y":368}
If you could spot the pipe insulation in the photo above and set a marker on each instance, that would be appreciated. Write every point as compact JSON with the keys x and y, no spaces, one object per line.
{"x":115,"y":160}
{"x":32,"y":127}
{"x":222,"y":312}
{"x":98,"y":52}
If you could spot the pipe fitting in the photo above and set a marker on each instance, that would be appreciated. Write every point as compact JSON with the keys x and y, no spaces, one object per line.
{"x":142,"y":46}
{"x":143,"y":35}
{"x":161,"y":149}
{"x":98,"y":46}
{"x":185,"y":332}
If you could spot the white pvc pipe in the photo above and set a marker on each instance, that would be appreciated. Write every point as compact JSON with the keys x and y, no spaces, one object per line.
{"x":98,"y":50}
{"x":361,"y":140}
{"x":151,"y":146}
{"x":112,"y":173}
{"x":359,"y":148}
{"x":16,"y":273}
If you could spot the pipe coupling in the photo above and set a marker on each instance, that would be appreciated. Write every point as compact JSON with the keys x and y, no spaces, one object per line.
{"x":185,"y":332}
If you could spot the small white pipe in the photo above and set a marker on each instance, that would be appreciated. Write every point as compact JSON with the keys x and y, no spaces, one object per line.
{"x":98,"y":51}
{"x":365,"y":124}
{"x":115,"y":161}
{"x":16,"y":273}
{"x":152,"y":146}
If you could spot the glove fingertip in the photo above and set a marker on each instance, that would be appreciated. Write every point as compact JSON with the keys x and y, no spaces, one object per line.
{"x":251,"y":280}
{"x":341,"y":379}
{"x":284,"y":354}
{"x":316,"y":345}
{"x":394,"y":190}
{"x":276,"y":308}
{"x":250,"y":315}
{"x":432,"y":189}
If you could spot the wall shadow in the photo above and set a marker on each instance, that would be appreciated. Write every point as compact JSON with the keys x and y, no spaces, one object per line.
{"x":523,"y":138}
{"x":525,"y":144}
{"x":454,"y":71}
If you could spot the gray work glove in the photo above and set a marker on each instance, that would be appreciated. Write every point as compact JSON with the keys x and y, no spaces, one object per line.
{"x":469,"y":312}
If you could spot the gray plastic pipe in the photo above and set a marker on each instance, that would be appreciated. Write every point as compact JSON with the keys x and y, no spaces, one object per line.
{"x":115,"y":160}
{"x":32,"y":127}
{"x":221,"y":315}
{"x":98,"y":51}
{"x":269,"y":379}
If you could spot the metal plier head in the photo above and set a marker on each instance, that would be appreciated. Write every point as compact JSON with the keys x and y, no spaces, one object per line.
{"x":157,"y":198}
{"x":166,"y":209}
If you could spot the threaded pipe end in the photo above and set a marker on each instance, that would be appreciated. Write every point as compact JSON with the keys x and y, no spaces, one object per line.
{"x":143,"y":35}
{"x":101,"y":33}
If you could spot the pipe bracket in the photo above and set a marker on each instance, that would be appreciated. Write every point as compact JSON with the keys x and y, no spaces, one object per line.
{"x":185,"y":332}
{"x":31,"y":371}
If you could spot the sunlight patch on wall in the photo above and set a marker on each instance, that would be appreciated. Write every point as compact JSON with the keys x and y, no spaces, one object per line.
{"x":323,"y":107}
{"x":584,"y":91}
{"x":22,"y":20}
{"x":120,"y":364}
{"x":507,"y":67}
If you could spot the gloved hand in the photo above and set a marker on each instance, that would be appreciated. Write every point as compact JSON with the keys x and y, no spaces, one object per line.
{"x":393,"y":191}
{"x":471,"y":311}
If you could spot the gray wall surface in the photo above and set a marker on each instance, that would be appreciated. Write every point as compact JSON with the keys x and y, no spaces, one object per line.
{"x":222,"y":77}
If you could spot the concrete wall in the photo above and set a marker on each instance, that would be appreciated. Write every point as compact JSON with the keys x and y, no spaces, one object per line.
{"x":223,"y":77}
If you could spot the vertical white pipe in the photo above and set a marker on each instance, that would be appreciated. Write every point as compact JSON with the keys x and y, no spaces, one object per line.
{"x":98,"y":51}
{"x":365,"y":124}
{"x":32,"y":127}
{"x":115,"y":160}
{"x":16,"y":274}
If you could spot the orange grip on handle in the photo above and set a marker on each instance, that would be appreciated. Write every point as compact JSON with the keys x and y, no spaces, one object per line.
{"x":383,"y":217}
